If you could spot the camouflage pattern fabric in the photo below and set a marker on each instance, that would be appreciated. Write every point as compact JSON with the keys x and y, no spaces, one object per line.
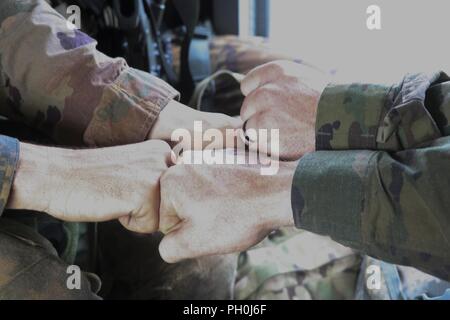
{"x":419,"y":285}
{"x":31,"y":269}
{"x":9,"y":155}
{"x":297,"y":265}
{"x":389,"y":201}
{"x":379,"y":117}
{"x":54,"y":79}
{"x":335,"y":280}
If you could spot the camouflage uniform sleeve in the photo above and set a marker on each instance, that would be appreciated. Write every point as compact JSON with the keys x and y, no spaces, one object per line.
{"x":390,"y":200}
{"x":377,"y":117}
{"x":9,"y":154}
{"x":53,"y":78}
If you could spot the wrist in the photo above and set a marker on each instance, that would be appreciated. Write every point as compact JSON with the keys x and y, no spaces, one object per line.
{"x":179,"y":116}
{"x":168,"y":119}
{"x":281,"y":214}
{"x":36,"y":176}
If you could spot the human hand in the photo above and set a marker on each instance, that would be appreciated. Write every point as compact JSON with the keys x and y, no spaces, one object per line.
{"x":283,"y":95}
{"x":178,"y":116}
{"x":219,"y":209}
{"x":93,"y":185}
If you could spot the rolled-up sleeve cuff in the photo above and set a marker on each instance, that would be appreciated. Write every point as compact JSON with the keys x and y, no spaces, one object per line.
{"x":328,"y":194}
{"x":129,"y":109}
{"x":9,"y":156}
{"x":377,"y":117}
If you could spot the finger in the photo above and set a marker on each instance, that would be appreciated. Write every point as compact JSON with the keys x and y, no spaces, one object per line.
{"x":249,"y":107}
{"x":139,"y":225}
{"x":145,"y":219}
{"x":252,"y":127}
{"x":130,"y":224}
{"x":213,"y":139}
{"x":166,"y":151}
{"x":220,"y":138}
{"x":260,"y":76}
{"x":195,"y":240}
{"x":263,"y":134}
{"x":264,"y":98}
{"x":179,"y":245}
{"x":171,"y":159}
{"x":168,"y":217}
{"x":160,"y":147}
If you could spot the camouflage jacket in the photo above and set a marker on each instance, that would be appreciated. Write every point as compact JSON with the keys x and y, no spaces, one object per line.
{"x":53,"y":79}
{"x":380,"y":178}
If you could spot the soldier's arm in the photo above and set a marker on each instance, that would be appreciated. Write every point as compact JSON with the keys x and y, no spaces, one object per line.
{"x":391,"y":199}
{"x":54,"y":79}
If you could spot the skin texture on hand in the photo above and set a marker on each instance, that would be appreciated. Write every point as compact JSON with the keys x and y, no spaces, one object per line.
{"x":178,"y":116}
{"x":219,"y":209}
{"x":93,"y":185}
{"x":284,"y":95}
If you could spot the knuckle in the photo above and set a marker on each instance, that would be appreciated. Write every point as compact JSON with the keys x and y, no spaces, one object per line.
{"x":163,"y":146}
{"x":255,"y":123}
{"x":266,"y":121}
{"x":247,"y":107}
{"x":146,"y":221}
{"x":140,"y":230}
{"x":275,"y":68}
{"x":166,"y":256}
{"x":284,"y":65}
{"x":158,"y":146}
{"x":244,"y":86}
{"x":247,"y":85}
{"x":262,"y":120}
{"x":151,"y":226}
{"x":262,"y":96}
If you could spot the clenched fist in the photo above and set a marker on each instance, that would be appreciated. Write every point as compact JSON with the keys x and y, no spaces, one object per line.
{"x":219,"y":209}
{"x":284,"y":95}
{"x":93,"y":185}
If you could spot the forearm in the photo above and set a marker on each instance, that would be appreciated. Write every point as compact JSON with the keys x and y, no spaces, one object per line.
{"x":54,"y":79}
{"x":92,"y":185}
{"x":46,"y":175}
{"x":37,"y":171}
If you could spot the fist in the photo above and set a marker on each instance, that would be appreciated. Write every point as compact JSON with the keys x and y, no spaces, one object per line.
{"x":219,"y":209}
{"x":283,"y":95}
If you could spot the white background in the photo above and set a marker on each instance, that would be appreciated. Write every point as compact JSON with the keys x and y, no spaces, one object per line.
{"x":415,"y":36}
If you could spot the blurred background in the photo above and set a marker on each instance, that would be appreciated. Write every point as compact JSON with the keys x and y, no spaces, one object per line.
{"x":333,"y":34}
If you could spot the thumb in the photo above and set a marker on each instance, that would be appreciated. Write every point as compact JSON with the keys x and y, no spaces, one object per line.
{"x":178,"y":245}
